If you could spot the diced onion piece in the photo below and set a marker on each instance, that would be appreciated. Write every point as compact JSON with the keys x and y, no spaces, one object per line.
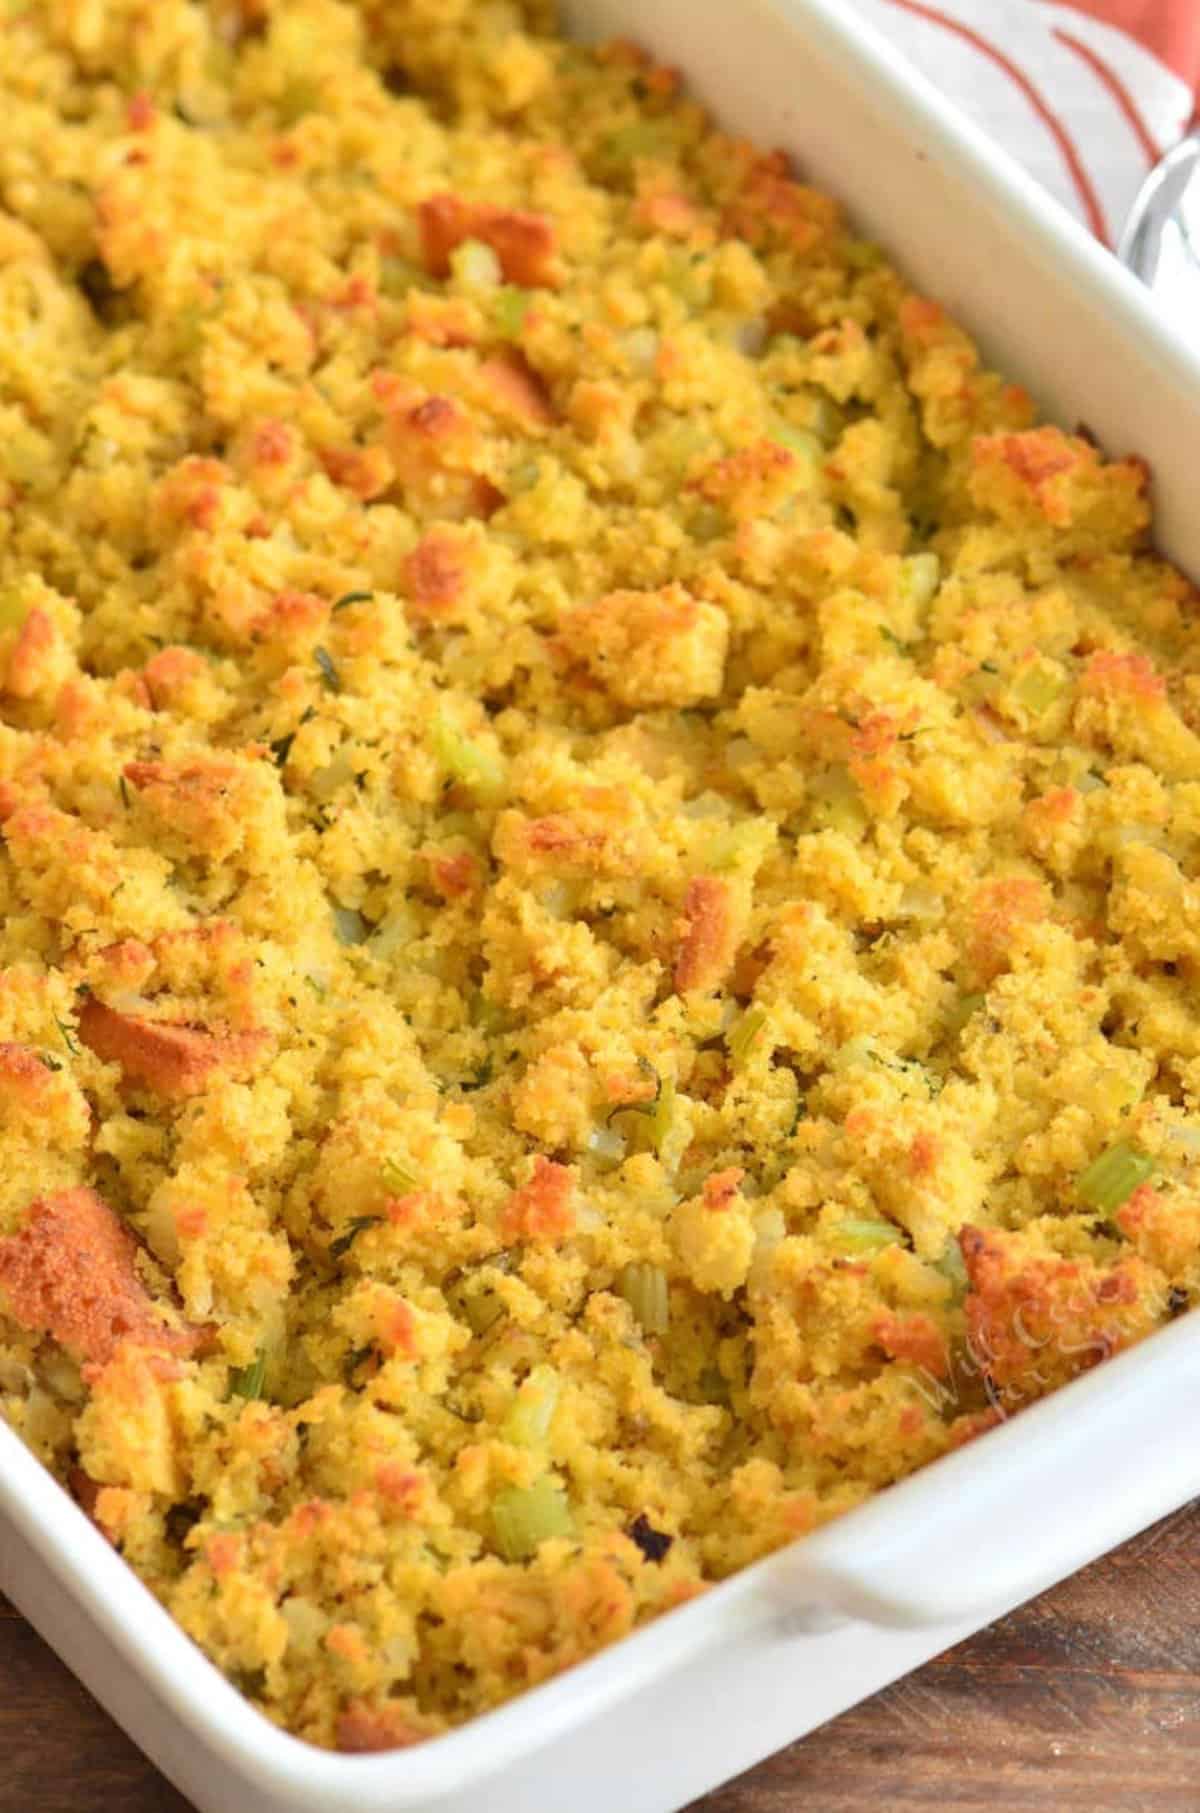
{"x":532,"y":1410}
{"x":644,"y":1288}
{"x":863,"y":1236}
{"x":349,"y":926}
{"x":641,"y":348}
{"x":400,"y":929}
{"x":838,"y":802}
{"x":476,"y":265}
{"x":917,"y":901}
{"x":1112,"y":1178}
{"x":989,"y":728}
{"x":523,"y":1517}
{"x":742,"y":846}
{"x":606,"y":1145}
{"x":920,"y":577}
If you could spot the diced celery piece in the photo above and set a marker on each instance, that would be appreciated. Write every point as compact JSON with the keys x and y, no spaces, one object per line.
{"x":477,"y":768}
{"x":398,"y":275}
{"x":662,"y":1119}
{"x":644,"y":138}
{"x":247,"y":1381}
{"x":862,"y":255}
{"x":644,"y":1288}
{"x":708,"y":522}
{"x":828,"y":420}
{"x":1112,"y":1178}
{"x":743,"y":1037}
{"x":740,"y":846}
{"x":481,"y":1311}
{"x":298,"y":98}
{"x":863,"y":1236}
{"x":962,"y":1011}
{"x":398,"y":1176}
{"x":920,"y":577}
{"x":801,"y":441}
{"x":510,"y":305}
{"x":1037,"y":689}
{"x":713,"y":1386}
{"x":13,"y":609}
{"x":532,"y":1410}
{"x":523,"y":1517}
{"x":951,"y":1264}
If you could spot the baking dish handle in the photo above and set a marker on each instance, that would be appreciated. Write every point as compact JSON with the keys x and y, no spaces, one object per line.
{"x":1001,"y":1519}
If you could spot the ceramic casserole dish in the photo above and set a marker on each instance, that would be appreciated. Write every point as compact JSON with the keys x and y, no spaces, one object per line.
{"x":710,"y":1689}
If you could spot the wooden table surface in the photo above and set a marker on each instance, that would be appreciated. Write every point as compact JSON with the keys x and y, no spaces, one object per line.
{"x":1086,"y":1701}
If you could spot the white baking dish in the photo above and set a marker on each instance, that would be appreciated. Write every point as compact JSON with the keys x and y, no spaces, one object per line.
{"x":720,"y":1683}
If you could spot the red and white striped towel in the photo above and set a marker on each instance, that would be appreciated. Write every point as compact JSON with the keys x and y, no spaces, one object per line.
{"x":1087,"y":93}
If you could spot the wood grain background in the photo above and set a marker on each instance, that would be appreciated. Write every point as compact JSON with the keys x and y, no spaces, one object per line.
{"x":1086,"y":1701}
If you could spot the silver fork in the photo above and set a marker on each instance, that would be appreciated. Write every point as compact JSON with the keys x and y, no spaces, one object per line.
{"x":1161,"y":240}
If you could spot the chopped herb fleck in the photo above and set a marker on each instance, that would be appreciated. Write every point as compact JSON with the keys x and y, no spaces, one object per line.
{"x":68,"y":1037}
{"x":330,"y":677}
{"x":49,"y":1062}
{"x":349,"y":598}
{"x":480,"y":1078}
{"x":123,"y":786}
{"x":345,"y":1241}
{"x":889,"y":635}
{"x":356,"y":1357}
{"x":1178,"y":1300}
{"x":644,"y":1104}
{"x":654,"y":1544}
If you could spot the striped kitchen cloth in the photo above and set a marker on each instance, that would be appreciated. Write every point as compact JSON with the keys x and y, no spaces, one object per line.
{"x":1087,"y":93}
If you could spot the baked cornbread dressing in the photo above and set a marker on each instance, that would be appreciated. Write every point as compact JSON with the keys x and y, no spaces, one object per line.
{"x":599,"y":831}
